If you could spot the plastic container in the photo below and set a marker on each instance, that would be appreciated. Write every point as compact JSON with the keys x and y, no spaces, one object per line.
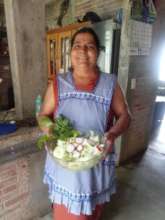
{"x":6,"y":128}
{"x":38,"y":103}
{"x":78,"y":164}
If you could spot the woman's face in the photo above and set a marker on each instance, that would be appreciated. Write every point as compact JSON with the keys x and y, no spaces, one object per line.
{"x":84,"y":52}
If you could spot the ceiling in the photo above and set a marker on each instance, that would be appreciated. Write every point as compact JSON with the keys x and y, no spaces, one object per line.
{"x":46,"y":1}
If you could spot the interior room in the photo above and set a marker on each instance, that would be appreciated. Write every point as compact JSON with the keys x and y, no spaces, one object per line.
{"x":35,"y":43}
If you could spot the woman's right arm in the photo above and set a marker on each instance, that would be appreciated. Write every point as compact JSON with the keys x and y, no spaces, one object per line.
{"x":47,"y":110}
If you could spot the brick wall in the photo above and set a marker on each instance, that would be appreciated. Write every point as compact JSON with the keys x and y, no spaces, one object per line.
{"x":52,"y":12}
{"x":14,"y":189}
{"x":77,"y":9}
{"x":105,"y":8}
{"x":22,"y":193}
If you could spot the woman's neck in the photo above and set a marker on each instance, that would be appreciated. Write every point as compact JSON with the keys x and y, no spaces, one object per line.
{"x":85,"y":77}
{"x":85,"y":82}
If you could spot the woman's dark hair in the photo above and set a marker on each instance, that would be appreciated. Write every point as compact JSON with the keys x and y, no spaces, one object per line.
{"x":89,"y":31}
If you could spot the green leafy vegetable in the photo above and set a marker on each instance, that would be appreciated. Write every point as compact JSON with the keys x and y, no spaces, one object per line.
{"x":62,"y":129}
{"x":45,"y":139}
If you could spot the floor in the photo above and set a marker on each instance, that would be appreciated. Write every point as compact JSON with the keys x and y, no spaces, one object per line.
{"x":141,"y":185}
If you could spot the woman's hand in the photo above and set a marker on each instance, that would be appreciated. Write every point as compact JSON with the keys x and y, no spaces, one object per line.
{"x":109,"y":141}
{"x":47,"y":131}
{"x":45,"y":124}
{"x":47,"y":109}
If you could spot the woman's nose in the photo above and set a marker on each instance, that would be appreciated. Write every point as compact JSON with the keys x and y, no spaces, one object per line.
{"x":83,"y":48}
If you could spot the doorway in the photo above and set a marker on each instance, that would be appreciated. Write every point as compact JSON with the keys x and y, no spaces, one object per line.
{"x":6,"y":85}
{"x":158,"y":141}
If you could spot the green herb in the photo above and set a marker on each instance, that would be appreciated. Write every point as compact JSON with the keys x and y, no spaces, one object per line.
{"x":62,"y":129}
{"x":44,"y":140}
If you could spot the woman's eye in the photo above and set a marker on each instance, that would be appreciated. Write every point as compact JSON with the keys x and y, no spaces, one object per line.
{"x":76,"y":46}
{"x":91,"y":47}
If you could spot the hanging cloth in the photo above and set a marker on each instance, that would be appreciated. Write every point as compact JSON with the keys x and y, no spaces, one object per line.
{"x":143,"y":10}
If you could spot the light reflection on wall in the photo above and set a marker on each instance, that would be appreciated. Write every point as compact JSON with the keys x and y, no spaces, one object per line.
{"x":107,"y":51}
{"x":104,"y":61}
{"x":162,"y":66}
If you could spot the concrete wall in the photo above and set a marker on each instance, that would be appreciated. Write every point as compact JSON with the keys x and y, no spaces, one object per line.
{"x":25,"y":22}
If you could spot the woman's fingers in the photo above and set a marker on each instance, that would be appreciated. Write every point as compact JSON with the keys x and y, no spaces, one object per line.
{"x":109,"y":141}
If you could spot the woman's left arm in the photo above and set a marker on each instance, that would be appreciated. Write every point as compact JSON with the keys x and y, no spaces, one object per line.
{"x":120,"y":108}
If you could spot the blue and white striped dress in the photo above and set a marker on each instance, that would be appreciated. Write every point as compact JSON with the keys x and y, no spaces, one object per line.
{"x":81,"y":191}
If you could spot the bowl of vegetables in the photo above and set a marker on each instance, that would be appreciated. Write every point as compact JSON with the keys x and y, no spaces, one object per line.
{"x":71,"y":149}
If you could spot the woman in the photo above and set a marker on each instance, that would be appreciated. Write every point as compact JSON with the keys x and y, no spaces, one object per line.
{"x":85,"y":97}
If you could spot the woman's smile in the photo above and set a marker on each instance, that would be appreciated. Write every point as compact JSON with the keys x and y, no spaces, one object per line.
{"x":82,"y":58}
{"x":84,"y":52}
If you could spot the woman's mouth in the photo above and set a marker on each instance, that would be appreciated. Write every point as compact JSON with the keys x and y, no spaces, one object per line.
{"x":82,"y":59}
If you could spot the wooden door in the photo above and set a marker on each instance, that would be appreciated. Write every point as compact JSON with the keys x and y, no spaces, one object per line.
{"x":52,"y":48}
{"x":63,"y":57}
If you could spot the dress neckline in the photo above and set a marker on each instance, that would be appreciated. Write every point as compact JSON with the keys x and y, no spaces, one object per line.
{"x":89,"y":88}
